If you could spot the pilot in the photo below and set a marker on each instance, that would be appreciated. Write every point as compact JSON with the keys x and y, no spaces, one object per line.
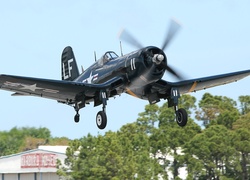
{"x":107,"y":57}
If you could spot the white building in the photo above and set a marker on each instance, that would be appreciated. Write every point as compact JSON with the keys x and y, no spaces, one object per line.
{"x":37,"y":164}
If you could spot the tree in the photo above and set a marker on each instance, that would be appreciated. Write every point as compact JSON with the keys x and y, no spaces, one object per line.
{"x":217,"y":109}
{"x":148,"y":119}
{"x":116,"y":155}
{"x":169,"y":138}
{"x":241,"y":142}
{"x":108,"y":160}
{"x":140,"y":149}
{"x":245,"y":104}
{"x":20,"y":139}
{"x":63,"y":141}
{"x":211,"y":152}
{"x":71,"y":166}
{"x":30,"y":142}
{"x":136,"y":152}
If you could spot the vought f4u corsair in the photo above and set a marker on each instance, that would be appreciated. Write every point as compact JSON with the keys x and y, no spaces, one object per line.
{"x":138,"y":73}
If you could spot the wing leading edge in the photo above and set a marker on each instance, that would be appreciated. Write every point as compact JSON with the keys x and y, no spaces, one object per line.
{"x":193,"y":85}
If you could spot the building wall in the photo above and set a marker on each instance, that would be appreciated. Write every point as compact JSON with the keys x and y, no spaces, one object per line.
{"x":29,"y":176}
{"x":9,"y":177}
{"x":49,"y":176}
{"x":30,"y":165}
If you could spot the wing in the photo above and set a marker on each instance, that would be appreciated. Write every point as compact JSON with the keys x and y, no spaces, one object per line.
{"x":63,"y":91}
{"x":193,"y":85}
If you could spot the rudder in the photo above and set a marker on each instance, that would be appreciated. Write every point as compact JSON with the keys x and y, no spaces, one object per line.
{"x":69,"y":66}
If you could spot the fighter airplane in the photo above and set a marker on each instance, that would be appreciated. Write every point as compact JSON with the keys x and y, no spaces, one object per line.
{"x":138,"y":73}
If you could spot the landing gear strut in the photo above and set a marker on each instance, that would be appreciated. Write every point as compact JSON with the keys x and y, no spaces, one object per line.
{"x":181,"y":114}
{"x":101,"y":117}
{"x":78,"y":106}
{"x":77,"y":116}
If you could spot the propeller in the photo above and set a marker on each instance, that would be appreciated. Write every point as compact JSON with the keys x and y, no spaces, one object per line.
{"x":172,"y":71}
{"x":174,"y":27}
{"x":127,"y":37}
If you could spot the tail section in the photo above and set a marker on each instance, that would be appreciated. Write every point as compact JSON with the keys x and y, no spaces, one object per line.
{"x":69,"y":66}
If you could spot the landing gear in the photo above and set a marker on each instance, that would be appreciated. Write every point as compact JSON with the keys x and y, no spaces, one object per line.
{"x":77,"y":117}
{"x":101,"y":119}
{"x":78,"y":106}
{"x":181,"y":114}
{"x":181,"y":117}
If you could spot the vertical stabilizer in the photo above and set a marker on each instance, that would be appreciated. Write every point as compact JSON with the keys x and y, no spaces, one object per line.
{"x":69,"y":66}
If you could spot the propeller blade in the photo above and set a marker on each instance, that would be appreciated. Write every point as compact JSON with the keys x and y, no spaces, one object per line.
{"x":173,"y":29}
{"x":127,"y":37}
{"x":172,"y":71}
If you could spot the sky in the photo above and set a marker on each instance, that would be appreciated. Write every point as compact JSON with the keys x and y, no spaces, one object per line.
{"x":214,"y":39}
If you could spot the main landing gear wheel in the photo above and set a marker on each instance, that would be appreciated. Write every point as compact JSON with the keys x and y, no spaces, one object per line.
{"x":181,"y":117}
{"x":101,"y":119}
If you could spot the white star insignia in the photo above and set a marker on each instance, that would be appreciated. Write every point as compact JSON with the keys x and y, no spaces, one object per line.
{"x":30,"y":87}
{"x":91,"y":78}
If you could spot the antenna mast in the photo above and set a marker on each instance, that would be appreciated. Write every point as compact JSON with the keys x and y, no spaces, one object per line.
{"x":121,"y":48}
{"x":95,"y":55}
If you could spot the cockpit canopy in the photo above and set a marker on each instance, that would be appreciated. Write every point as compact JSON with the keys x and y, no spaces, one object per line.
{"x":108,"y":56}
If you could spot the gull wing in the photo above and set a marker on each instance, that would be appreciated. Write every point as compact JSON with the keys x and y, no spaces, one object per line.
{"x":63,"y":91}
{"x":163,"y":87}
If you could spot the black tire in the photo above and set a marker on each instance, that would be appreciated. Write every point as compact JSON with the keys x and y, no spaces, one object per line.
{"x":77,"y":118}
{"x":181,"y":117}
{"x":101,"y":120}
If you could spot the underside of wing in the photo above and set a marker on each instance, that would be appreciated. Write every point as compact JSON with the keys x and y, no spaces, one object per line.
{"x":193,"y":85}
{"x":211,"y":81}
{"x":63,"y":91}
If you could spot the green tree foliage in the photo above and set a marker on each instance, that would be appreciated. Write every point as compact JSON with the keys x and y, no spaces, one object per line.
{"x":30,"y":142}
{"x":141,"y":149}
{"x":169,"y":138}
{"x":217,"y":110}
{"x":245,"y":104}
{"x":132,"y":151}
{"x":116,"y":155}
{"x":149,"y":118}
{"x":241,"y":142}
{"x":211,"y":153}
{"x":26,"y":138}
{"x":17,"y":138}
{"x":62,"y":141}
{"x":10,"y":141}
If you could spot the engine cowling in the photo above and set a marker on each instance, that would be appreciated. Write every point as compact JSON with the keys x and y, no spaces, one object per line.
{"x":155,"y":58}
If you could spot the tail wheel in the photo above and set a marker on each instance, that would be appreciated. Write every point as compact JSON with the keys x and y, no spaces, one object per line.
{"x":77,"y":118}
{"x":101,"y":119}
{"x":181,"y":117}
